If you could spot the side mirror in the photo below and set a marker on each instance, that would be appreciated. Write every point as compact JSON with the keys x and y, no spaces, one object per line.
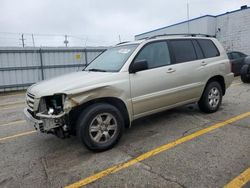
{"x":138,"y":66}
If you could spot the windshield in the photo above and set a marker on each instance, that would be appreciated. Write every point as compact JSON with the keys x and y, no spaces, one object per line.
{"x":112,"y":59}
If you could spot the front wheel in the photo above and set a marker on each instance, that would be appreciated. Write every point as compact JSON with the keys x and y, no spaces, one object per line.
{"x":100,"y":126}
{"x":211,"y":98}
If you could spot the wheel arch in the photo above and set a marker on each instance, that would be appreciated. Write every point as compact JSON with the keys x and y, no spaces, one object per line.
{"x":220,"y":79}
{"x":117,"y":102}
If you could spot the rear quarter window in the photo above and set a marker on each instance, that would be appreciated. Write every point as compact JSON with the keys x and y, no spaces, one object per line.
{"x":208,"y":47}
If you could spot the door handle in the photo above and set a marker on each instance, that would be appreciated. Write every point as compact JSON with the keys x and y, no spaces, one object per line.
{"x":171,"y":70}
{"x":203,"y":63}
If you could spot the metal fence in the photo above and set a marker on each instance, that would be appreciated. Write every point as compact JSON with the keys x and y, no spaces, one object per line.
{"x":21,"y":67}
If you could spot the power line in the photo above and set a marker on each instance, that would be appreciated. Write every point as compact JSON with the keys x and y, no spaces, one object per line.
{"x":44,"y":39}
{"x":37,"y":34}
{"x":55,"y":35}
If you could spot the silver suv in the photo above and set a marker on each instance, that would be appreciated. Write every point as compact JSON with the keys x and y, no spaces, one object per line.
{"x":127,"y":82}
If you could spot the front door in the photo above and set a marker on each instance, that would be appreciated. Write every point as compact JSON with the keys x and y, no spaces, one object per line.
{"x":149,"y":87}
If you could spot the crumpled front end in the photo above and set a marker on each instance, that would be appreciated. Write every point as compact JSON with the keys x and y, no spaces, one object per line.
{"x":52,"y":105}
{"x":47,"y":114}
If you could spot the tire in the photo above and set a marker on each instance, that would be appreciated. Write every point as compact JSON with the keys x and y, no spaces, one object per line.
{"x":211,"y":98}
{"x":245,"y":74}
{"x":98,"y":132}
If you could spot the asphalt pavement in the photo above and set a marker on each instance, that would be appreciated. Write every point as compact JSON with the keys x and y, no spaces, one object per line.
{"x":182,"y":147}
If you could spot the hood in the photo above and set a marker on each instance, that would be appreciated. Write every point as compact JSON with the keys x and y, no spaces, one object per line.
{"x":69,"y":82}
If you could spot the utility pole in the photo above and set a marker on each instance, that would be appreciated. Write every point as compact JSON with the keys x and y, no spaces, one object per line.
{"x":33,"y":40}
{"x":22,"y":39}
{"x":188,"y":16}
{"x":66,"y":41}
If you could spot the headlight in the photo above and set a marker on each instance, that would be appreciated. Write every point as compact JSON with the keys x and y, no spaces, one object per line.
{"x":51,"y":111}
{"x":53,"y":104}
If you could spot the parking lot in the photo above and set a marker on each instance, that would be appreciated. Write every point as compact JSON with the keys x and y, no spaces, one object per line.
{"x":177,"y":148}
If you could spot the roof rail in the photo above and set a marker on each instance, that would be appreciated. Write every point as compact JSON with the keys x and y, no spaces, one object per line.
{"x":180,"y":34}
{"x":122,"y":43}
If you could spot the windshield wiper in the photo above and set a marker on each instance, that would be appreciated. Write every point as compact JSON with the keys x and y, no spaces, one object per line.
{"x":97,"y":70}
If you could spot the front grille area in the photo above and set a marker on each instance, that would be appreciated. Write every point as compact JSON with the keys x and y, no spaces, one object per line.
{"x":30,"y":100}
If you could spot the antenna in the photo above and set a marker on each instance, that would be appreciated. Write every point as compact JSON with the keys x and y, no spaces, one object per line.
{"x":188,"y":16}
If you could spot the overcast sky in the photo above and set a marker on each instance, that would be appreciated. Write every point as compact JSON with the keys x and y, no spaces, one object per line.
{"x":96,"y":22}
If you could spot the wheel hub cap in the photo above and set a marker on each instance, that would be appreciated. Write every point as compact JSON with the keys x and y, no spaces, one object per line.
{"x":214,"y":97}
{"x":103,"y":128}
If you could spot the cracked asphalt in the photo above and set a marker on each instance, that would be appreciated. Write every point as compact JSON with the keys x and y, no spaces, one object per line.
{"x":211,"y":160}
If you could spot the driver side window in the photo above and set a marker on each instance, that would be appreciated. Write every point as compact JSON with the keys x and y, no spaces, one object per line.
{"x":156,"y":54}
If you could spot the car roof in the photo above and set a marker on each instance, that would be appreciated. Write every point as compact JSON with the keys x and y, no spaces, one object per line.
{"x":161,"y":38}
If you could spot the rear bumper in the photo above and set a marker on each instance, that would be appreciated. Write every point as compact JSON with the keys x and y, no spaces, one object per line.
{"x":229,"y":79}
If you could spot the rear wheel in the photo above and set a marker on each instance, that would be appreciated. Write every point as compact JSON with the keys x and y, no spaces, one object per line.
{"x":211,"y":98}
{"x":100,"y":126}
{"x":245,"y":74}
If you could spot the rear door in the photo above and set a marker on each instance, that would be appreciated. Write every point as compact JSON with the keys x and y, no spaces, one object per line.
{"x":190,"y":67}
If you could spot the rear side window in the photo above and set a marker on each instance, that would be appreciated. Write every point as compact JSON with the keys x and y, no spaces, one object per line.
{"x":183,"y":50}
{"x":208,"y":47}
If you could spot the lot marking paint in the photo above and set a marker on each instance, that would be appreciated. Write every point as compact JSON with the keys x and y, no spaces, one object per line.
{"x":13,"y":107}
{"x":240,"y":180}
{"x":11,"y":104}
{"x":13,"y":123}
{"x":4,"y":96}
{"x":154,"y":152}
{"x":17,"y":135}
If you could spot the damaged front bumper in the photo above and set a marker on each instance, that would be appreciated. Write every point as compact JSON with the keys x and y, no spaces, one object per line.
{"x":47,"y":123}
{"x":31,"y":120}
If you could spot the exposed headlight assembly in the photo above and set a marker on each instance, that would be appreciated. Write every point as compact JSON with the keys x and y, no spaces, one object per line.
{"x":52,"y":105}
